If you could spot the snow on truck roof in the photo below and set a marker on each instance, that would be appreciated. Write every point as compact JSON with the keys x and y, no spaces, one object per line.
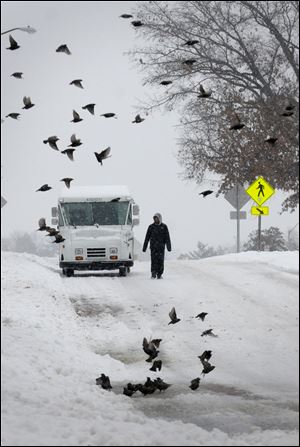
{"x":96,"y":192}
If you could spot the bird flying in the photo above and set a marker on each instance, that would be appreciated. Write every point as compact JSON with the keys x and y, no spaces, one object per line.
{"x":74,"y":141}
{"x":208,"y":332}
{"x":17,"y":75}
{"x":236,"y":123}
{"x":173,"y":316}
{"x":76,"y":117}
{"x":202,"y":315}
{"x":271,"y":140}
{"x":138,"y":119}
{"x":69,"y":153}
{"x":42,"y":225}
{"x":191,"y":42}
{"x":204,"y":93}
{"x":166,"y":82}
{"x":13,"y":43}
{"x":15,"y":116}
{"x":103,"y":154}
{"x":109,"y":115}
{"x":150,"y":349}
{"x":206,"y":193}
{"x":27,"y":103}
{"x":52,"y":142}
{"x":137,"y":23}
{"x":90,"y":108}
{"x":45,"y":187}
{"x":67,"y":181}
{"x":156,"y":365}
{"x":77,"y":83}
{"x":63,"y":49}
{"x":126,"y":16}
{"x":195,"y":383}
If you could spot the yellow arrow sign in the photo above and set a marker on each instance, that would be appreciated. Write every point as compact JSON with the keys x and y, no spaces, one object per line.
{"x":260,"y":191}
{"x":260,"y":210}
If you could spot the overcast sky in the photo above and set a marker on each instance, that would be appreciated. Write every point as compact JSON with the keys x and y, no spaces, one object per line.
{"x":143,"y":155}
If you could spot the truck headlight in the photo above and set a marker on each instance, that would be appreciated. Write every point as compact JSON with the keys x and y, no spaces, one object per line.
{"x":113,"y":250}
{"x":78,"y":251}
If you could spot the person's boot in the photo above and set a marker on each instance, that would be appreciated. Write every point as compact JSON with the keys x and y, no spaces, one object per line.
{"x":159,"y":277}
{"x":153,"y":275}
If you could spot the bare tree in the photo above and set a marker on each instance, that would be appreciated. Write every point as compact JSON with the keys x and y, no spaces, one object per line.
{"x":245,"y":54}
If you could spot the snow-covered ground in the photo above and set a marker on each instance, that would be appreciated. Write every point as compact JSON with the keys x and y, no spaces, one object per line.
{"x":59,"y":334}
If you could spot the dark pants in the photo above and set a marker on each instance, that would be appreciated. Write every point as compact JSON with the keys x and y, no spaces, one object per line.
{"x":157,"y":262}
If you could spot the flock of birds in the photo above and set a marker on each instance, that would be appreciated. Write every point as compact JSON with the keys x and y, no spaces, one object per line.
{"x":151,"y":349}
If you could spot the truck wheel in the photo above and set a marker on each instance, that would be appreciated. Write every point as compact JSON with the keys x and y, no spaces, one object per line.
{"x":122,"y":271}
{"x":69,"y":272}
{"x":64,"y":271}
{"x":128,"y":269}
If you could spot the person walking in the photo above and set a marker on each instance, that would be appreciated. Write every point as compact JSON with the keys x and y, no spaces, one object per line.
{"x":158,"y":235}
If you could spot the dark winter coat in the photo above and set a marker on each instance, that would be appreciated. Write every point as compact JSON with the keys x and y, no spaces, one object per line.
{"x":158,"y":235}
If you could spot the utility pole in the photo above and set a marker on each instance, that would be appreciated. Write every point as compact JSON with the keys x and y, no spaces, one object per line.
{"x":237,"y":220}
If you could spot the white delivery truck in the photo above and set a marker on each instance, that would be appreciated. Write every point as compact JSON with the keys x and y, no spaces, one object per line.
{"x":97,"y":225}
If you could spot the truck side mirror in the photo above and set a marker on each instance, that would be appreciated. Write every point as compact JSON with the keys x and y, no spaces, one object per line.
{"x":54,"y":221}
{"x":135,"y":221}
{"x":54,"y":212}
{"x":135,"y":209}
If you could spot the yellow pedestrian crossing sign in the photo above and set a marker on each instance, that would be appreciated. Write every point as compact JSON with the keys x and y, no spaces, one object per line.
{"x":260,"y":210}
{"x":260,"y":191}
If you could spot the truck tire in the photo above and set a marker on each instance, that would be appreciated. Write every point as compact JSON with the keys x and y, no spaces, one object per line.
{"x":69,"y":272}
{"x":64,"y":271}
{"x":122,"y":271}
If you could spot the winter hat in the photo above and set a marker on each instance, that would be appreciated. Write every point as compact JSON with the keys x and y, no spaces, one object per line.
{"x":158,"y":215}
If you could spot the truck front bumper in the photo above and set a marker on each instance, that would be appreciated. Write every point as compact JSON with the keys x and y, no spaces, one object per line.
{"x":95,"y":265}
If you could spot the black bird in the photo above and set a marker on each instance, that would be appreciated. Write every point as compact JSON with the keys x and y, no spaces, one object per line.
{"x":191,"y":42}
{"x":69,"y":153}
{"x":195,"y":383}
{"x":17,"y":74}
{"x":189,"y":62}
{"x":206,"y":355}
{"x":160,"y":384}
{"x":45,"y":187}
{"x":128,"y":392}
{"x":204,"y":93}
{"x":156,"y":342}
{"x":147,"y":389}
{"x":156,"y":365}
{"x":109,"y":115}
{"x":42,"y":225}
{"x":90,"y":108}
{"x":138,"y":119}
{"x":288,"y":105}
{"x":287,"y":113}
{"x":150,"y":349}
{"x":206,"y":193}
{"x":13,"y":44}
{"x":15,"y":116}
{"x":116,"y":199}
{"x":173,"y":316}
{"x":132,"y":387}
{"x":63,"y":49}
{"x":52,"y":142}
{"x":51,"y":231}
{"x":27,"y":102}
{"x":208,"y":332}
{"x":103,"y":154}
{"x":166,"y":82}
{"x":74,"y":141}
{"x":76,"y":117}
{"x":67,"y":181}
{"x":58,"y":239}
{"x":207,"y":368}
{"x":77,"y":83}
{"x":271,"y":140}
{"x":236,"y":123}
{"x":126,"y":16}
{"x":201,"y":316}
{"x":137,"y":23}
{"x":104,"y":381}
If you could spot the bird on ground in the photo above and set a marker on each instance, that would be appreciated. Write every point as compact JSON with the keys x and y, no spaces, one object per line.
{"x":236,"y":123}
{"x":67,"y":181}
{"x":173,"y":316}
{"x":42,"y":225}
{"x":77,"y":83}
{"x":128,"y":392}
{"x":138,"y":119}
{"x":15,"y":116}
{"x":147,"y":389}
{"x":45,"y":187}
{"x":17,"y":75}
{"x":52,"y":142}
{"x":69,"y":153}
{"x":271,"y":140}
{"x":27,"y":103}
{"x":204,"y":93}
{"x":206,"y":193}
{"x":206,"y":355}
{"x":195,"y":383}
{"x":156,"y":365}
{"x":160,"y":384}
{"x":76,"y":117}
{"x":103,"y":154}
{"x":109,"y":115}
{"x":166,"y":82}
{"x":116,"y":199}
{"x":104,"y":381}
{"x":63,"y":49}
{"x":207,"y":368}
{"x":58,"y":239}
{"x":150,"y":349}
{"x":202,"y":315}
{"x":137,"y":23}
{"x":90,"y":108}
{"x":189,"y":62}
{"x":126,"y":16}
{"x":74,"y":141}
{"x":13,"y":43}
{"x":191,"y":42}
{"x":208,"y":332}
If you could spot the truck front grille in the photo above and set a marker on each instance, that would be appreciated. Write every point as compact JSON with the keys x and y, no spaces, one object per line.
{"x":96,"y":253}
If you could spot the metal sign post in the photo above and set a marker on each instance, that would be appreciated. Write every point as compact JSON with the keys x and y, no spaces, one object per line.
{"x":237,"y":198}
{"x":259,"y":232}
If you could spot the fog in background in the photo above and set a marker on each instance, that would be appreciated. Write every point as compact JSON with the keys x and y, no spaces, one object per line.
{"x":143,"y":155}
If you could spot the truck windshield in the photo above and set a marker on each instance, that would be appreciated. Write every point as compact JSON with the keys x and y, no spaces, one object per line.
{"x":101,"y":213}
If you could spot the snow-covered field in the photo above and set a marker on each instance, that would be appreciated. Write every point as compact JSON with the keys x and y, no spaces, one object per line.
{"x":59,"y":334}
